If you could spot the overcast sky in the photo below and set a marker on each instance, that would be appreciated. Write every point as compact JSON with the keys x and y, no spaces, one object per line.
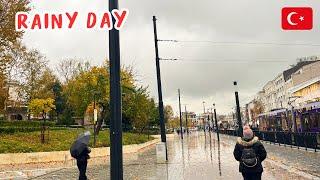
{"x":208,"y":74}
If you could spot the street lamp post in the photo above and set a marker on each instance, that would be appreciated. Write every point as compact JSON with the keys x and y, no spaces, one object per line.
{"x":208,"y":121}
{"x":180,"y":115}
{"x":185,"y":109}
{"x":116,"y":158}
{"x":95,"y":115}
{"x":216,"y":121}
{"x":204,"y":112}
{"x":238,"y":109}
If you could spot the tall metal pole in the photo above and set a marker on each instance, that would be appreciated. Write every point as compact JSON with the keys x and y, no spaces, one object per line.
{"x":208,"y":121}
{"x":238,"y":110}
{"x":180,"y":115}
{"x":116,"y":160}
{"x":204,"y":112}
{"x":94,"y":121}
{"x":185,"y":109}
{"x":216,"y":121}
{"x":212,"y":120}
{"x":161,"y":114}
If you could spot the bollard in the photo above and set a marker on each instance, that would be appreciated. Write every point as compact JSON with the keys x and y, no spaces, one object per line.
{"x":161,"y":152}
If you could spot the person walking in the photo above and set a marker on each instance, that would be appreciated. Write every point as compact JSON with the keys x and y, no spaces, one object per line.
{"x":80,"y":151}
{"x":250,"y":153}
{"x":82,"y":162}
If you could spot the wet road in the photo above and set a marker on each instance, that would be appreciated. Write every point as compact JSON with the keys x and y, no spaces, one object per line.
{"x":196,"y":157}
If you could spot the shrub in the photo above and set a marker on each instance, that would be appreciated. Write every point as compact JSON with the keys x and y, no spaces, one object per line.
{"x":25,"y":123}
{"x":59,"y":140}
{"x":13,"y":130}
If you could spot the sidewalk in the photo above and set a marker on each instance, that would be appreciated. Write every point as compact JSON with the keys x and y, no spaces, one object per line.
{"x":196,"y":158}
{"x":17,"y":166}
{"x":290,"y":158}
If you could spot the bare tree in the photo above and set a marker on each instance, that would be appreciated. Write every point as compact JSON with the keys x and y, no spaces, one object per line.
{"x":67,"y":69}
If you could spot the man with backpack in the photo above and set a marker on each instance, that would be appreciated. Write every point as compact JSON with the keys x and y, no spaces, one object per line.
{"x":250,"y":153}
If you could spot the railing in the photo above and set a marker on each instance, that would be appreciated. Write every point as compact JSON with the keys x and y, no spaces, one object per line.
{"x":306,"y":140}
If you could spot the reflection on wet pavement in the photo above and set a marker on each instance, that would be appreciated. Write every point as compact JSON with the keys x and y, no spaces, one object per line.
{"x":198,"y":156}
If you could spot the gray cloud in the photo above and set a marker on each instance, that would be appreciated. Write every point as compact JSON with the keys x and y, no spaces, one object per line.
{"x":213,"y":20}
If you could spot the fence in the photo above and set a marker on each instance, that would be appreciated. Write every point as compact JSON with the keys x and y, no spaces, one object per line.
{"x":306,"y":139}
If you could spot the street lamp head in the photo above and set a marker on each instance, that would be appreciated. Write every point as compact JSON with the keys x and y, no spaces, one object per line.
{"x":235,"y":83}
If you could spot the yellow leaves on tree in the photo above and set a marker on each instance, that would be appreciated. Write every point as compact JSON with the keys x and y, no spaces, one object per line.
{"x":9,"y":38}
{"x":41,"y":107}
{"x":8,"y":10}
{"x":82,"y":89}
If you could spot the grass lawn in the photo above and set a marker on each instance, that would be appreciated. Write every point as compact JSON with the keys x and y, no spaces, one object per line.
{"x":59,"y":140}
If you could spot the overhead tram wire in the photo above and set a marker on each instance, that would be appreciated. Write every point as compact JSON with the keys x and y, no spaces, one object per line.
{"x":168,"y":59}
{"x":188,"y":60}
{"x":232,"y":43}
{"x":240,"y":43}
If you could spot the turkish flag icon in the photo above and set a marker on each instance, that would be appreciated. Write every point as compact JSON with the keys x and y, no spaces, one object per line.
{"x":297,"y":18}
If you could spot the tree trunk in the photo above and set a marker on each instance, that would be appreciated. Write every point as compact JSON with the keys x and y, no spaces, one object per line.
{"x":142,"y":130}
{"x":100,"y":121}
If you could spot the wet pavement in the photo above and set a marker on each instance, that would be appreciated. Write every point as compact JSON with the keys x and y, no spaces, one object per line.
{"x":196,"y":157}
{"x":306,"y":161}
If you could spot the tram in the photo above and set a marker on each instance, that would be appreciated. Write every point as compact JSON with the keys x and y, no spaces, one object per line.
{"x":307,"y":119}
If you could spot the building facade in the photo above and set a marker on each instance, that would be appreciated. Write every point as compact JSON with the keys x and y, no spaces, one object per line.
{"x":276,"y":93}
{"x":306,"y":84}
{"x":192,"y":118}
{"x":15,"y":106}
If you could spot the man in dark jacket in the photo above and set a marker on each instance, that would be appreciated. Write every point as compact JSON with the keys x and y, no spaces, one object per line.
{"x":82,"y":162}
{"x":247,"y":146}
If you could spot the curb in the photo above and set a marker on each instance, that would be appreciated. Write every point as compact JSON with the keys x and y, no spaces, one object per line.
{"x":64,"y":156}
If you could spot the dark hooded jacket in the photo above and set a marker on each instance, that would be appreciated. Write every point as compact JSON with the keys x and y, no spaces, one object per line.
{"x":259,"y":150}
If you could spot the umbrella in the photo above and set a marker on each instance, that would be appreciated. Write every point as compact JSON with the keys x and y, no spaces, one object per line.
{"x":80,"y":144}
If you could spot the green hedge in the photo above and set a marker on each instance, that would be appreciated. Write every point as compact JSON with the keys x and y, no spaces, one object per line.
{"x":13,"y":130}
{"x":59,"y":140}
{"x":25,"y":123}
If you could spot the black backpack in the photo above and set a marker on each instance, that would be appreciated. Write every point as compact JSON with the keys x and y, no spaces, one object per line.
{"x":249,"y":157}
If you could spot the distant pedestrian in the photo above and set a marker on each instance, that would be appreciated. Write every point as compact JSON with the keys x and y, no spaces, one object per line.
{"x":250,"y":153}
